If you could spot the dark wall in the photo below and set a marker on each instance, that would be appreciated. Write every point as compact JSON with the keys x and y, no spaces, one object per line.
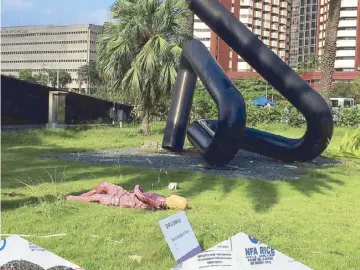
{"x":81,"y":109}
{"x":23,"y":103}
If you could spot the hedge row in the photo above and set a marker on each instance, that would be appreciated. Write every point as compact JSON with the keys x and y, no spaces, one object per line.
{"x":343,"y":117}
{"x":282,"y":113}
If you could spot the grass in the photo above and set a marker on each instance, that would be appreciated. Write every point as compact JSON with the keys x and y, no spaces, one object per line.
{"x":314,"y":219}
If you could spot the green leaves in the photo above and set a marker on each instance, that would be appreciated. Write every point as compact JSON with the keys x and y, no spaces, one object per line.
{"x":250,"y":88}
{"x":351,"y":143}
{"x":139,"y":50}
{"x":27,"y":75}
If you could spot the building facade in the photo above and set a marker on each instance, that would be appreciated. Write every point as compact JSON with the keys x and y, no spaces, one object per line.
{"x":294,"y":32}
{"x":348,"y":37}
{"x":202,"y":32}
{"x":304,"y":25}
{"x":268,"y":19}
{"x":42,"y":48}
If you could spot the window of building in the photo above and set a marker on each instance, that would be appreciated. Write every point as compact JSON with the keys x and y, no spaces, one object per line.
{"x":347,"y":28}
{"x":334,"y":103}
{"x":345,"y":58}
{"x":346,"y":38}
{"x":348,"y":18}
{"x":348,"y":8}
{"x":346,"y":48}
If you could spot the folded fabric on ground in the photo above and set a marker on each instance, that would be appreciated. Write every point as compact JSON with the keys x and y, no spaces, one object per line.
{"x":110,"y":194}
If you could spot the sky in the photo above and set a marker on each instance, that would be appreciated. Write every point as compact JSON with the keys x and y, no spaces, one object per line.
{"x":55,"y":12}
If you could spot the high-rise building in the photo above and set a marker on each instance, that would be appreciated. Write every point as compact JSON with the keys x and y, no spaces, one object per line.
{"x":42,"y":48}
{"x":268,"y":19}
{"x":294,"y":32}
{"x":304,"y":24}
{"x":202,"y":32}
{"x":348,"y":36}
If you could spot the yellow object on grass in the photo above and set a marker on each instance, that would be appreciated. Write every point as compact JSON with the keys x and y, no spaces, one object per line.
{"x":177,"y":202}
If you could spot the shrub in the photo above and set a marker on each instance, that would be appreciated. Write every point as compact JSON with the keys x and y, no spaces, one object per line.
{"x":205,"y":108}
{"x":351,"y":143}
{"x":347,"y":117}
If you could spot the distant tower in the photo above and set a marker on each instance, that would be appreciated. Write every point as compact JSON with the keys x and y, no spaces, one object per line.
{"x":304,"y":26}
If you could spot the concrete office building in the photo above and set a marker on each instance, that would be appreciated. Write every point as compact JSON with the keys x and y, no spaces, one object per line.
{"x":268,"y":19}
{"x":348,"y":38}
{"x":48,"y":48}
{"x":304,"y":25}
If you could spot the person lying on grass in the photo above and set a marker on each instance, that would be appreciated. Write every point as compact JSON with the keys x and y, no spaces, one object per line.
{"x":110,"y":194}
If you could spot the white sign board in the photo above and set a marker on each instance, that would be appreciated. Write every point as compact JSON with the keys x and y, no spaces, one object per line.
{"x":241,"y":252}
{"x":15,"y":249}
{"x":180,"y":237}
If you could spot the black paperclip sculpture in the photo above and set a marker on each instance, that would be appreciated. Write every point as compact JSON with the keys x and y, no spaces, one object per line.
{"x":218,"y":141}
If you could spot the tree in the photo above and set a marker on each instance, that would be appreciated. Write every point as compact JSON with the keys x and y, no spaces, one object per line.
{"x":191,"y":22}
{"x":356,"y":84}
{"x":52,"y":77}
{"x":329,"y":55}
{"x":314,"y":62}
{"x":250,"y":87}
{"x":42,"y":78}
{"x":348,"y":90}
{"x":139,"y":51}
{"x":253,"y":87}
{"x":27,"y":75}
{"x":89,"y":74}
{"x":64,"y":78}
{"x":311,"y":63}
{"x":341,"y":90}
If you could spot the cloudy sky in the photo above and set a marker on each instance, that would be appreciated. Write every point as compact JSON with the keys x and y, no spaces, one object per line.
{"x":43,"y":12}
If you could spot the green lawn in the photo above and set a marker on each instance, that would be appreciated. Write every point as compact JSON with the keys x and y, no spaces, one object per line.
{"x":314,"y":219}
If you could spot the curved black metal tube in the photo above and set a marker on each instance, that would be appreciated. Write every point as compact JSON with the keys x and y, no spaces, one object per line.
{"x":314,"y":108}
{"x":218,"y":146}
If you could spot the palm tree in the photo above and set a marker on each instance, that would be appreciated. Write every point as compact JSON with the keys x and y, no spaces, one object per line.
{"x":139,"y":50}
{"x":191,"y":22}
{"x":329,"y":55}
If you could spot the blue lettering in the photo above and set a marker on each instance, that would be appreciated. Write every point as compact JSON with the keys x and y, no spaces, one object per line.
{"x":267,"y":251}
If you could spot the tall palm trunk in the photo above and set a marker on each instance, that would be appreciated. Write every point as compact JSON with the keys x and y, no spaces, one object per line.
{"x":329,"y":53}
{"x":190,"y":23}
{"x":147,"y":106}
{"x":144,"y":126}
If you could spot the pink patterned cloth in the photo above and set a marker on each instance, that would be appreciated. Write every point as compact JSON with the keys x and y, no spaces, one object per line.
{"x":110,"y":194}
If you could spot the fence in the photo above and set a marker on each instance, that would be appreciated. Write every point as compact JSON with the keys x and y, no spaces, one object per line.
{"x":25,"y":103}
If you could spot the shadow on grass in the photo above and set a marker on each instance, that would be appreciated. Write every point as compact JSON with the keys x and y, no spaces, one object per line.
{"x":264,"y":195}
{"x":315,"y":182}
{"x":27,"y":163}
{"x":12,"y":204}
